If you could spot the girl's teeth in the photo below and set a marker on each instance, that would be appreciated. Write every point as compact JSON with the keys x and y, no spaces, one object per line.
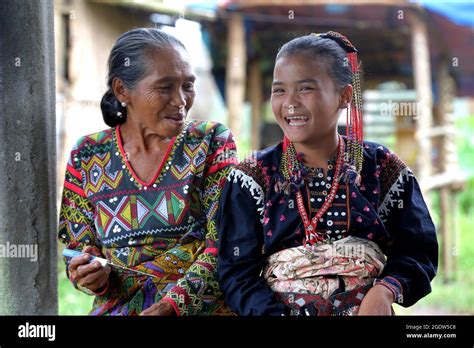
{"x":296,"y":123}
{"x":297,"y":120}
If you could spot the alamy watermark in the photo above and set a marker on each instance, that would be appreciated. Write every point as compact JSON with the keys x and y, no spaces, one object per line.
{"x":399,"y":108}
{"x":352,"y":251}
{"x":20,"y":251}
{"x":37,"y":331}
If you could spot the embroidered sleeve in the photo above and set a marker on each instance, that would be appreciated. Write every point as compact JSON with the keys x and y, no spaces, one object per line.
{"x":240,"y":244}
{"x":76,"y":216}
{"x":198,"y":291}
{"x":412,"y":253}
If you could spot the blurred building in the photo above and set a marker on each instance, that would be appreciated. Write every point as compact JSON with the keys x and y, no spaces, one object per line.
{"x":416,"y":59}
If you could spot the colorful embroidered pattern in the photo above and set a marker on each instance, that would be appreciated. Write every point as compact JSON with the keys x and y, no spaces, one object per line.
{"x":165,"y":227}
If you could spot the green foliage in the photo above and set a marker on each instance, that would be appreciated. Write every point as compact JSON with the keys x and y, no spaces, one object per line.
{"x":456,"y":296}
{"x":466,"y":197}
{"x":465,"y":144}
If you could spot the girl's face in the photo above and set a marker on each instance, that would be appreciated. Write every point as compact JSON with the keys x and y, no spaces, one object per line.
{"x":305,"y":100}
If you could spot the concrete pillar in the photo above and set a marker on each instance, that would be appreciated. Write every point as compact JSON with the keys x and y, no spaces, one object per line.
{"x":28,"y":274}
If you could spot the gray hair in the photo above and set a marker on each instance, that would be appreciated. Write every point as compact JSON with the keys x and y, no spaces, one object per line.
{"x":128,"y":62}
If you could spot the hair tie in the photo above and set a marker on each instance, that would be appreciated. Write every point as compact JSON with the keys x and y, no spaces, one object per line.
{"x":340,"y":39}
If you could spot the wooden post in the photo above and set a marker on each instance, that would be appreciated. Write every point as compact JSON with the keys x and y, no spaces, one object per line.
{"x":422,"y":81}
{"x":449,"y":164}
{"x":235,"y":72}
{"x":447,"y":93}
{"x":255,"y":95}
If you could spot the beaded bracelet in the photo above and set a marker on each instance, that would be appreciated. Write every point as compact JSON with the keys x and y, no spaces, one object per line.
{"x":394,"y":286}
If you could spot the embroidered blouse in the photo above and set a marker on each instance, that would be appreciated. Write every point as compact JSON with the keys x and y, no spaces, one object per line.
{"x":165,"y":227}
{"x":258,"y":219}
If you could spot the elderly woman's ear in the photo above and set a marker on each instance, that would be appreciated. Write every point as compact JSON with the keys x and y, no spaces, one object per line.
{"x":121,"y":92}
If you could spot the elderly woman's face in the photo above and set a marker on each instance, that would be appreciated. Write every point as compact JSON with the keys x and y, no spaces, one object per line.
{"x":161,"y":100}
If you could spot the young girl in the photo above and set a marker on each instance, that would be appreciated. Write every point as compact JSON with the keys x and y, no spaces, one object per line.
{"x":323,"y":224}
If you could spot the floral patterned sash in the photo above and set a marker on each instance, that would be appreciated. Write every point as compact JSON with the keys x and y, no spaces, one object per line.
{"x":326,"y":279}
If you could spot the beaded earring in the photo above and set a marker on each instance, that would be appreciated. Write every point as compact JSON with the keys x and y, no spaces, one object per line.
{"x":119,"y":113}
{"x":354,"y":130}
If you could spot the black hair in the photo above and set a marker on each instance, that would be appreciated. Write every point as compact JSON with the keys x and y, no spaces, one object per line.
{"x":331,"y":52}
{"x":127,"y":62}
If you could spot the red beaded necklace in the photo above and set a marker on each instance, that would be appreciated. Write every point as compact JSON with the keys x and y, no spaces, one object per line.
{"x":312,"y":236}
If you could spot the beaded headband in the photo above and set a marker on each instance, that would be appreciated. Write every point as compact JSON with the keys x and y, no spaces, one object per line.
{"x":354,"y":129}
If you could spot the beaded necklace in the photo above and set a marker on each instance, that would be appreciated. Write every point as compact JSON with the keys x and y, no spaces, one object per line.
{"x":350,"y":155}
{"x":293,"y":165}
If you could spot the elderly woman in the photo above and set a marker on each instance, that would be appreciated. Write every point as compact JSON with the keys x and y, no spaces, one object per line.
{"x":322,"y":224}
{"x":143,"y":194}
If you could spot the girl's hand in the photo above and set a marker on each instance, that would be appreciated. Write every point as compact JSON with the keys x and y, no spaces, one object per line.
{"x":377,"y":301}
{"x":161,"y":308}
{"x":92,"y":276}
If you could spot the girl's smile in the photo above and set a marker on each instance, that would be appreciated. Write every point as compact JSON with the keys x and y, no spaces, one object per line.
{"x":305,"y":101}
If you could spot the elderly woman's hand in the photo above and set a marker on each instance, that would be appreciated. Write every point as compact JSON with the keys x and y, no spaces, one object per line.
{"x":92,"y":276}
{"x":161,"y":308}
